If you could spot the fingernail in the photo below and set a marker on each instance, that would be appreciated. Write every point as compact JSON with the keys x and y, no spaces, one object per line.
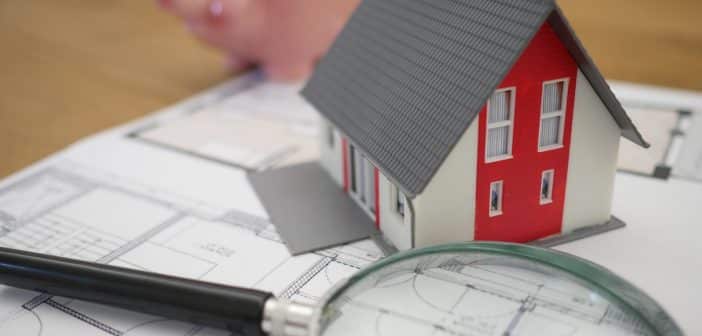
{"x":216,"y":8}
{"x":217,"y":11}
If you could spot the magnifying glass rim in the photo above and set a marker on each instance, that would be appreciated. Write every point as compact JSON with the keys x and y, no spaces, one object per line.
{"x":611,"y":286}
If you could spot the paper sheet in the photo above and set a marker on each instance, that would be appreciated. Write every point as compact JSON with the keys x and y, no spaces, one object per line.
{"x":74,"y":210}
{"x":262,"y":125}
{"x":114,"y":200}
{"x":671,"y":121}
{"x":118,"y":199}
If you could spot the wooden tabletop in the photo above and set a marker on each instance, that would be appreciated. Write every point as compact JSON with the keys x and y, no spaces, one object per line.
{"x":73,"y":67}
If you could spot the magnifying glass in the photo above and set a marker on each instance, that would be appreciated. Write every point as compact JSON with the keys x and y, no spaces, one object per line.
{"x":472,"y":289}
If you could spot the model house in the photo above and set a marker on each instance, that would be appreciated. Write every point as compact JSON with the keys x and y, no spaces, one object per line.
{"x":455,"y":120}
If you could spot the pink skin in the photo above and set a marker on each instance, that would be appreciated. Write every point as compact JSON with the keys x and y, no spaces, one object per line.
{"x":284,"y":37}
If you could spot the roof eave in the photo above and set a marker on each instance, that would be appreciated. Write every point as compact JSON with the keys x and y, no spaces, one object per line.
{"x":563,"y":29}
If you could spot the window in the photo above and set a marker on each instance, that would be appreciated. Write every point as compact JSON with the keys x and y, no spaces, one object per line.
{"x":495,"y":198}
{"x":399,"y":200}
{"x":330,"y":136}
{"x":352,"y":169}
{"x":369,"y":175}
{"x":547,"y":187}
{"x":362,"y":179}
{"x":553,"y":106}
{"x":499,"y":125}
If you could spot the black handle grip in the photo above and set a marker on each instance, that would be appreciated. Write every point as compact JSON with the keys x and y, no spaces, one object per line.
{"x":232,"y":308}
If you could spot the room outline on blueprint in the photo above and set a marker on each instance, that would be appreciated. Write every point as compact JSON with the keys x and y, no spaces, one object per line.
{"x":55,"y":211}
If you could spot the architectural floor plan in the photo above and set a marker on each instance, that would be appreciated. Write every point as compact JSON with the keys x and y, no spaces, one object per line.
{"x":476,"y":296}
{"x":256,"y":125}
{"x":165,"y":194}
{"x":671,"y":120}
{"x":61,"y":210}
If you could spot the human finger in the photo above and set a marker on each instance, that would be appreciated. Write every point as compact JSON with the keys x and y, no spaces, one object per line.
{"x":188,"y":9}
{"x":286,"y":71}
{"x":237,"y":28}
{"x":235,"y":63}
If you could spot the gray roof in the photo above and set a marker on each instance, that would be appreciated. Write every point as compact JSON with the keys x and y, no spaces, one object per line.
{"x":405,"y":78}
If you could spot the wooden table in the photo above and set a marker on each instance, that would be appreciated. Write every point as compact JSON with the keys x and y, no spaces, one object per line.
{"x":73,"y":67}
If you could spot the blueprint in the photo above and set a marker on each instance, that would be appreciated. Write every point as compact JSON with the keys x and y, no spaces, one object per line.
{"x":169,"y":194}
{"x":671,"y":121}
{"x":258,"y":125}
{"x":77,"y":212}
{"x":477,"y":295}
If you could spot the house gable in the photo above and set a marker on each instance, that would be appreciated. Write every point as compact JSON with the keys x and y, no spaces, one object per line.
{"x":523,"y":215}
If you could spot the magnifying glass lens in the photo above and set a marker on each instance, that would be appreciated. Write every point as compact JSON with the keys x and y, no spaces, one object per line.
{"x":472,"y":292}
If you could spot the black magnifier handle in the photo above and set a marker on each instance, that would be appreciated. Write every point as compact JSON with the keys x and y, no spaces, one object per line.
{"x":240,"y":310}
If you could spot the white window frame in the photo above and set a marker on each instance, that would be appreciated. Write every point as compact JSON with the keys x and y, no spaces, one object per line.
{"x":552,"y":175}
{"x":397,"y":198}
{"x":500,"y":188}
{"x":330,"y":136}
{"x":561,"y":113}
{"x":362,"y":172}
{"x":509,"y":122}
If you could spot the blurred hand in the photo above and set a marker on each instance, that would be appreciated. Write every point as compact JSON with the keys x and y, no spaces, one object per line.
{"x":284,"y":37}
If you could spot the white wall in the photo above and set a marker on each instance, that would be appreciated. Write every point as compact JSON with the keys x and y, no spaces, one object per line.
{"x":396,"y":228}
{"x":445,"y":211}
{"x":593,"y":160}
{"x":330,"y":157}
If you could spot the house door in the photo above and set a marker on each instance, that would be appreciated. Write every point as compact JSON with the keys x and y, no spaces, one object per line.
{"x":362,"y":180}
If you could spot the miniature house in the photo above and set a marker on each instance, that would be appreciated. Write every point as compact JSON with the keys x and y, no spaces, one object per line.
{"x":455,"y":120}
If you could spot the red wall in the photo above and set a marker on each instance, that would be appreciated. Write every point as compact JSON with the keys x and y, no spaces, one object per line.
{"x":523,"y":218}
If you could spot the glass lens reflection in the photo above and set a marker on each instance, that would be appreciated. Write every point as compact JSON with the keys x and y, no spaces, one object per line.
{"x":474,"y":294}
